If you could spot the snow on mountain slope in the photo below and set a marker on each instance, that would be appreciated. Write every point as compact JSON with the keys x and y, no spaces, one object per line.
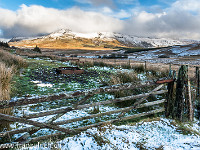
{"x":65,"y":38}
{"x":65,"y":33}
{"x":149,"y":42}
{"x":127,"y":40}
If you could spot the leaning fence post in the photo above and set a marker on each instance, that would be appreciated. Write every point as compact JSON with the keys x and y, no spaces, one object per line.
{"x":170,"y":70}
{"x":197,"y":80}
{"x":169,"y":106}
{"x":198,"y":92}
{"x":180,"y":93}
{"x":190,"y":103}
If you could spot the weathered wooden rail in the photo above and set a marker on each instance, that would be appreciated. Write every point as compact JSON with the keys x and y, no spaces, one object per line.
{"x":178,"y":105}
{"x":81,"y":104}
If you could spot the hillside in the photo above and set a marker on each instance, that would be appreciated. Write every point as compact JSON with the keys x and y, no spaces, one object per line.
{"x":66,"y":39}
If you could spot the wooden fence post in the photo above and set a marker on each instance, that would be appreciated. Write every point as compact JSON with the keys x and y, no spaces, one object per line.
{"x":198,"y":92}
{"x":145,"y":65}
{"x":190,"y":102}
{"x":129,"y":61}
{"x":197,"y":80}
{"x":183,"y":108}
{"x":169,"y":105}
{"x":170,"y":70}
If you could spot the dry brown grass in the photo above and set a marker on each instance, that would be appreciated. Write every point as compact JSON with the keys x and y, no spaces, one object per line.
{"x":5,"y":81}
{"x":5,"y":89}
{"x":9,"y":63}
{"x":123,"y":77}
{"x":9,"y":59}
{"x":120,"y":78}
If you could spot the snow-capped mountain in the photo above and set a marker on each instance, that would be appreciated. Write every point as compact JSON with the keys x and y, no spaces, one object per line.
{"x":65,"y":33}
{"x":128,"y":40}
{"x":102,"y":39}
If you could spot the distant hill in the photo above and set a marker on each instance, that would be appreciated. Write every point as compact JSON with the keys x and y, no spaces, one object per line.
{"x":66,"y":39}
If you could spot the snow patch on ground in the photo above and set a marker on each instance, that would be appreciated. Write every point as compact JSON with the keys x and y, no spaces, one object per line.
{"x":147,"y":135}
{"x":40,"y":84}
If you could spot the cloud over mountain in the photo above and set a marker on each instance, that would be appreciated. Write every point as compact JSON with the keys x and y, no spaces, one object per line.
{"x":34,"y":20}
{"x":180,"y":19}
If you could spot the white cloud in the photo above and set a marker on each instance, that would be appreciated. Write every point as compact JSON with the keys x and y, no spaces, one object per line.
{"x":173,"y":24}
{"x":7,"y":18}
{"x":121,"y":14}
{"x":188,"y":5}
{"x":33,"y":20}
{"x":180,"y":20}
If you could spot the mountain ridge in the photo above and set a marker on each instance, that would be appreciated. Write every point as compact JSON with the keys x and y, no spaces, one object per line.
{"x":67,"y":39}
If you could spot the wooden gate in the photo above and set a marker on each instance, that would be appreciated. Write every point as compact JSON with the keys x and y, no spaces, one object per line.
{"x":81,"y":104}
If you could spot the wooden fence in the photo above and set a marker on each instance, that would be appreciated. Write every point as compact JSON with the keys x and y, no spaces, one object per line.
{"x":179,"y":107}
{"x":81,"y":104}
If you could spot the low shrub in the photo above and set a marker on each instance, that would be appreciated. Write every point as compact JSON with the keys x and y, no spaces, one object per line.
{"x":4,"y":44}
{"x":139,"y":68}
{"x":37,"y":49}
{"x":124,"y":77}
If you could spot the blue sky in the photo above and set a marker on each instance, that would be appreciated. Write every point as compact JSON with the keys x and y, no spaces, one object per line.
{"x":85,"y":4}
{"x":156,"y":18}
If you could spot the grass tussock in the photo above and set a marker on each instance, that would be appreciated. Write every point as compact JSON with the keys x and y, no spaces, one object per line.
{"x":123,"y":77}
{"x":153,"y":72}
{"x":9,"y":64}
{"x":5,"y":90}
{"x":6,"y":75}
{"x":120,"y":78}
{"x":139,"y":68}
